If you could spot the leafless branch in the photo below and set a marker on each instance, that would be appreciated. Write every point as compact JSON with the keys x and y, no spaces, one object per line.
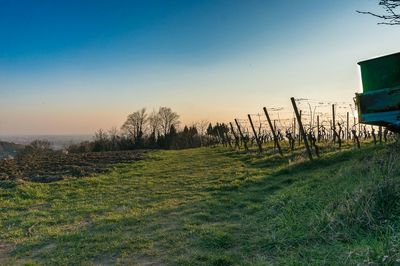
{"x":391,"y":17}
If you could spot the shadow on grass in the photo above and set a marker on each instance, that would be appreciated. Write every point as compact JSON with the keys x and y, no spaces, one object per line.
{"x":196,"y":232}
{"x":281,"y":166}
{"x":328,"y":160}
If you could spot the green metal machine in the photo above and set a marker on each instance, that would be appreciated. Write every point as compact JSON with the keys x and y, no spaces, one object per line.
{"x":379,"y":104}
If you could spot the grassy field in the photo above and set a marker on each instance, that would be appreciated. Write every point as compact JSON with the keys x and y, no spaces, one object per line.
{"x":211,"y":206}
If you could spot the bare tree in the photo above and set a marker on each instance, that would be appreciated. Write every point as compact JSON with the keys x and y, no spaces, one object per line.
{"x":154,"y":122}
{"x":135,"y":124}
{"x":202,"y":127}
{"x":391,"y":17}
{"x":100,"y":135}
{"x":113,"y":134}
{"x":168,"y":118}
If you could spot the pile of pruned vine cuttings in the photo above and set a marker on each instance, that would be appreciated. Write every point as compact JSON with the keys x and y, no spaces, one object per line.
{"x":55,"y":165}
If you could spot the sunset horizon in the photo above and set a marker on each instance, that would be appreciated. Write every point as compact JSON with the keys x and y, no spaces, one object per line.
{"x":75,"y":68}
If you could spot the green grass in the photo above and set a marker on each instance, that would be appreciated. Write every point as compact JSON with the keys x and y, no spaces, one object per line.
{"x":208,"y":206}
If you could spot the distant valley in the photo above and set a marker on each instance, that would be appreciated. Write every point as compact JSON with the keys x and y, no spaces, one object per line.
{"x":58,"y":141}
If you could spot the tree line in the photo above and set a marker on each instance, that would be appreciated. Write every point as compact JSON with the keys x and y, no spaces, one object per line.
{"x":156,"y":130}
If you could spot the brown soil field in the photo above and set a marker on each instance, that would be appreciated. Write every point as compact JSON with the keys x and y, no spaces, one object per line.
{"x":53,"y":166}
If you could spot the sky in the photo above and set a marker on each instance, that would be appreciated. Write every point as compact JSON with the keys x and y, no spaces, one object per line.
{"x":72,"y":67}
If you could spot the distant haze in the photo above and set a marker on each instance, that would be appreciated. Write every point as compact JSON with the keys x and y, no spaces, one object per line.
{"x":57,"y":141}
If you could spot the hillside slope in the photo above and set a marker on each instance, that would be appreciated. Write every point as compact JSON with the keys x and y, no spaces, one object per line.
{"x":211,"y":207}
{"x":9,"y":149}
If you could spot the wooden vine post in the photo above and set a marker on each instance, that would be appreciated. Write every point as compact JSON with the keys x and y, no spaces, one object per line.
{"x":228,"y":139}
{"x":318,"y":130}
{"x":299,"y":118}
{"x":294,"y":128}
{"x":333,"y":123}
{"x":273,"y":132}
{"x":235,"y":136}
{"x":241,"y":135}
{"x":347,"y":126}
{"x":296,"y":111}
{"x":255,"y":134}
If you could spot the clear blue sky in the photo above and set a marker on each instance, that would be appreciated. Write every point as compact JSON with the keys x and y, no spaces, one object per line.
{"x":76,"y":66}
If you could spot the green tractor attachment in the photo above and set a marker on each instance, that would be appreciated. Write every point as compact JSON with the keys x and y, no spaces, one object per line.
{"x":379,"y":104}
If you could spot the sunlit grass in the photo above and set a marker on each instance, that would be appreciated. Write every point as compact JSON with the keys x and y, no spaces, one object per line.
{"x":207,"y":206}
